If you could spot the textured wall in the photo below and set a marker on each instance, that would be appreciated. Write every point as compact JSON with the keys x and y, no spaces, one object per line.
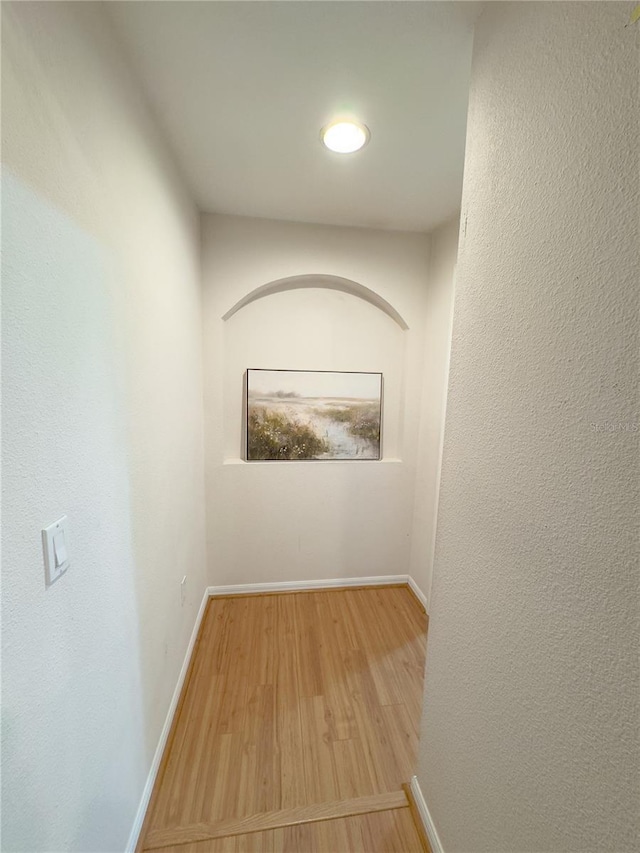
{"x":530,"y":727}
{"x":301,"y":520}
{"x":102,"y":421}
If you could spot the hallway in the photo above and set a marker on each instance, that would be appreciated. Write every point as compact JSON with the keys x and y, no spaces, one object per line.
{"x":178,"y":221}
{"x":292,"y":702}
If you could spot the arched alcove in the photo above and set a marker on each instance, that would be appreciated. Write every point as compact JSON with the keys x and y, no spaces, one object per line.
{"x":327,"y":282}
{"x":314,"y":322}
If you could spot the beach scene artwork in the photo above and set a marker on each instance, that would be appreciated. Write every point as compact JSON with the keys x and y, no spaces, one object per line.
{"x":313,"y":414}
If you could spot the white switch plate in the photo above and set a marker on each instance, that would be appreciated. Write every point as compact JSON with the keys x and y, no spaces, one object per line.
{"x":183,"y":590}
{"x":55,"y":546}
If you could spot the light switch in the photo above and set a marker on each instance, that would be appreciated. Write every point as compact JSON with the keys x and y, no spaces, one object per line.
{"x":55,"y":545}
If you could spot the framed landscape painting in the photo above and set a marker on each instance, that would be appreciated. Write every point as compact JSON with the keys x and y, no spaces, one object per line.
{"x":313,"y":414}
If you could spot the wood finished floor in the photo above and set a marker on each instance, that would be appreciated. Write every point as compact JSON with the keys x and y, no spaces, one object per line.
{"x":390,"y":831}
{"x":295,"y":700}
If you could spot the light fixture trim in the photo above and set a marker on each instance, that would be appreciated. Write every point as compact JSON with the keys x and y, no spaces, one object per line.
{"x":345,"y":136}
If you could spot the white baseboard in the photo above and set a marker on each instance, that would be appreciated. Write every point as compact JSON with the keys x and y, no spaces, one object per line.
{"x":419,"y":594}
{"x":155,"y":764}
{"x":301,"y":586}
{"x":425,"y":817}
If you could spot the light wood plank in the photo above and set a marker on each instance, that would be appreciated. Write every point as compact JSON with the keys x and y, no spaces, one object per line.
{"x":179,"y":730}
{"x":294,"y":699}
{"x":379,"y":832}
{"x":274,"y":820}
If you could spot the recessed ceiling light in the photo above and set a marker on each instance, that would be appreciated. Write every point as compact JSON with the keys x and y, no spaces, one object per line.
{"x":345,"y":137}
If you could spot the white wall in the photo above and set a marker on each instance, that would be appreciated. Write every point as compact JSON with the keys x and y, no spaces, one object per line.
{"x":102,"y":422}
{"x":305,"y":520}
{"x":439,"y":315}
{"x":530,"y":727}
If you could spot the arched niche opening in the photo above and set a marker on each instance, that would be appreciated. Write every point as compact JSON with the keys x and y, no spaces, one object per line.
{"x":326,"y":282}
{"x":314,"y":323}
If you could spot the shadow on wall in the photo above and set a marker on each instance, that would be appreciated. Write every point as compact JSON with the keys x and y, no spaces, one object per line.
{"x":68,"y":647}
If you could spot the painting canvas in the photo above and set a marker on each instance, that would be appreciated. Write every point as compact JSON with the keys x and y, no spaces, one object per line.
{"x":313,"y":414}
